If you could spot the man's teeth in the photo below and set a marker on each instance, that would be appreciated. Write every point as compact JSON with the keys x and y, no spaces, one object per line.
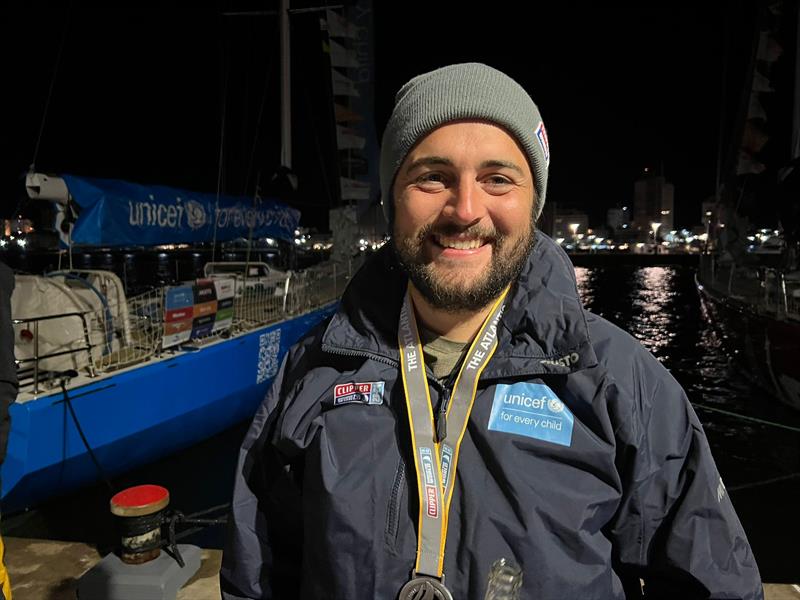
{"x":458,"y":243}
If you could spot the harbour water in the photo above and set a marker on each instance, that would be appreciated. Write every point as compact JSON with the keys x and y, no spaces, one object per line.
{"x":755,"y":440}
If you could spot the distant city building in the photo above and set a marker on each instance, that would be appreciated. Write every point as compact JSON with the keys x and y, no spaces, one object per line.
{"x":653,"y":202}
{"x":600,"y":232}
{"x":618,"y":218}
{"x":568,"y":223}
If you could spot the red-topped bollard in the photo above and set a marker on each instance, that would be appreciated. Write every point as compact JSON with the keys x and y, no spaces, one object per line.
{"x":139,"y":510}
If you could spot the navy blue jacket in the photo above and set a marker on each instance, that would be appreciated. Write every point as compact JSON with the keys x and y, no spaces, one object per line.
{"x":322,"y":504}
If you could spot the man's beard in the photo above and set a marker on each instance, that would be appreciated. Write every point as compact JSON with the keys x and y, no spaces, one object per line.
{"x":458,"y":296}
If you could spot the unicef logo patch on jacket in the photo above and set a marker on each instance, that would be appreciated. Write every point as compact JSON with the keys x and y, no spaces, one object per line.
{"x":532,"y":410}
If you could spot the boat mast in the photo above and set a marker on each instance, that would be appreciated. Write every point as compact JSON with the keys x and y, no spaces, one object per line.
{"x":795,"y":153}
{"x":286,"y":92}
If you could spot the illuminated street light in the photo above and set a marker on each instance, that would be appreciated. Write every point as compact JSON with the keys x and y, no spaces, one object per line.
{"x":654,"y":227}
{"x":574,"y":228}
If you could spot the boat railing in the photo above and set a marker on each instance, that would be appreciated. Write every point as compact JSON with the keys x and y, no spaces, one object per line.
{"x":28,"y":369}
{"x":763,"y":288}
{"x":144,"y":328}
{"x":258,"y":303}
{"x":137,"y":333}
{"x":319,"y":285}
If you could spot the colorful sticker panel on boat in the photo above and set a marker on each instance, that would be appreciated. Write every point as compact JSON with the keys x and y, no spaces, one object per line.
{"x":202,"y":326}
{"x":178,"y":315}
{"x":205,"y":308}
{"x":225,"y":291}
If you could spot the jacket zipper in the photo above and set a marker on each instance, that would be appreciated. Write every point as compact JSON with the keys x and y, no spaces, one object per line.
{"x":441,"y":419}
{"x":380,"y":358}
{"x":393,"y":514}
{"x":362,"y":354}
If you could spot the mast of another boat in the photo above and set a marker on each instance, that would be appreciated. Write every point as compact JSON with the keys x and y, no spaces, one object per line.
{"x":286,"y":90}
{"x":286,"y":116}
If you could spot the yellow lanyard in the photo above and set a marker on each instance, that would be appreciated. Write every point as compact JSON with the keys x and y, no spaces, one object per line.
{"x":436,"y":461}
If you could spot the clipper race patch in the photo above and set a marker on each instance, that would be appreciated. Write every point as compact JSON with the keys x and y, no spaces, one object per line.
{"x":532,"y":410}
{"x":431,"y":494}
{"x":541,"y":135}
{"x":370,"y":392}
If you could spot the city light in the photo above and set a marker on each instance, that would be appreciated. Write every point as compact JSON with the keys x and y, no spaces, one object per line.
{"x":654,"y":227}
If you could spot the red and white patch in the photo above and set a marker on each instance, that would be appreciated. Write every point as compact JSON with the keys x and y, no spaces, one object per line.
{"x":370,"y":392}
{"x":431,"y":502}
{"x":541,"y":135}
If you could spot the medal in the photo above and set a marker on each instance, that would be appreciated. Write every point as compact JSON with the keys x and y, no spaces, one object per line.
{"x":425,"y":588}
{"x":435,"y":456}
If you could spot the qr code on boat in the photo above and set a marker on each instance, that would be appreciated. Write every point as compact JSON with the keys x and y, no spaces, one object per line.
{"x":269,"y":346}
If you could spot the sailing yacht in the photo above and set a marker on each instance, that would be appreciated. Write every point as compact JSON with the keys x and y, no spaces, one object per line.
{"x":751,"y":291}
{"x":110,"y":381}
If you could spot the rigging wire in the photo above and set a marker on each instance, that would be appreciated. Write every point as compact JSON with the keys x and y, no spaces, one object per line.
{"x":50,"y":91}
{"x":256,"y":201}
{"x":267,"y":78}
{"x":226,"y":71}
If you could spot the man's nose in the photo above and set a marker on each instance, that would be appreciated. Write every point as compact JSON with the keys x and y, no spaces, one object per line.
{"x":465,"y":206}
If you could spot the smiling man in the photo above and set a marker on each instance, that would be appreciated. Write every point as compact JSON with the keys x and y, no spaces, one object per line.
{"x":463,"y":407}
{"x":464,"y":222}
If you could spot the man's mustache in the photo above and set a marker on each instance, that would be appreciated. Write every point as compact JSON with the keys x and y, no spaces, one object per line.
{"x":452,"y":230}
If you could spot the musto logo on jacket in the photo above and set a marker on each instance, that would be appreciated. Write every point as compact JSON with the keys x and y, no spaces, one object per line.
{"x":532,"y":410}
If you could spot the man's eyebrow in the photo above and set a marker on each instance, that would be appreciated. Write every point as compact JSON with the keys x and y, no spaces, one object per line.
{"x":502,"y":163}
{"x":427,"y":161}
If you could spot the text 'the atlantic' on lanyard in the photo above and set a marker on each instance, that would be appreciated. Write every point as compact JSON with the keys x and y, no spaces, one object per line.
{"x":436,"y":460}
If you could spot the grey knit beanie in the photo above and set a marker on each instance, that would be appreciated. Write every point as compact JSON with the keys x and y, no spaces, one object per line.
{"x":455,"y":92}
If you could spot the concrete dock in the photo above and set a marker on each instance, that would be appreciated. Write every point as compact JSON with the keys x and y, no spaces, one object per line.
{"x":49,"y":570}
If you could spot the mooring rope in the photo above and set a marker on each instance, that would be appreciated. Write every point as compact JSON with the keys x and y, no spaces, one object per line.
{"x":746,"y":418}
{"x":100,"y":471}
{"x":745,"y":486}
{"x":175,"y":517}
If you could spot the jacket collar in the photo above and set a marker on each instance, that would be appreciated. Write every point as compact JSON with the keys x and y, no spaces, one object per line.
{"x":543,"y":328}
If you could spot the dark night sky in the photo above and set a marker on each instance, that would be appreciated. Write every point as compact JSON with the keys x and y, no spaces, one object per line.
{"x":138,"y":93}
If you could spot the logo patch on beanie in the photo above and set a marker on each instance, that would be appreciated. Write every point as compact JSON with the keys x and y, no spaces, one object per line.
{"x":541,"y":135}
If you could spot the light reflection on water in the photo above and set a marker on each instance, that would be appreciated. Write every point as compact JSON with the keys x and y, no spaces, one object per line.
{"x":651,"y":293}
{"x":659,"y":306}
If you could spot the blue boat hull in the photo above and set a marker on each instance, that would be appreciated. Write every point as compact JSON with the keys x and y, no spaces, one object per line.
{"x":142,"y":414}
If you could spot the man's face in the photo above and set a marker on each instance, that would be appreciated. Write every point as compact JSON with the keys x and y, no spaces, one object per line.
{"x":463,"y":214}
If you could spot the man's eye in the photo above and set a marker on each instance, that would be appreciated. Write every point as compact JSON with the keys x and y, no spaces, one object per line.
{"x":431,"y":178}
{"x":498,"y":180}
{"x":431,"y":182}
